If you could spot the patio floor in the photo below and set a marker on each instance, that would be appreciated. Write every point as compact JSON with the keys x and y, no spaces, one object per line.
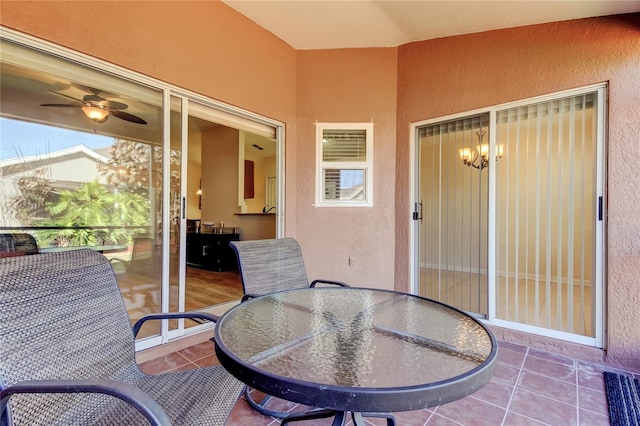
{"x":529,"y":387}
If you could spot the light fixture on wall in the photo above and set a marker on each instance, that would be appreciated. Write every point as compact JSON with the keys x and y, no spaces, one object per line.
{"x":469,"y":155}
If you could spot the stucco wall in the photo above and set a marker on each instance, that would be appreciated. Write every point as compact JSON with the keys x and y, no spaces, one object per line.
{"x":456,"y":74}
{"x":209,"y":48}
{"x":347,"y":85}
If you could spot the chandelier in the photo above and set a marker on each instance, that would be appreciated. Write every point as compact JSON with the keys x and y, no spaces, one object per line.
{"x":469,"y":155}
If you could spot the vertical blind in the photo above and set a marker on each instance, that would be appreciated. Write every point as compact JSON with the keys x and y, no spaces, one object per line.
{"x":453,"y":230}
{"x":545,"y":214}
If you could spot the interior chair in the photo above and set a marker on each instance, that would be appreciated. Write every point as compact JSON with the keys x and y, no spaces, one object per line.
{"x":67,"y":352}
{"x":17,"y":244}
{"x":269,"y":266}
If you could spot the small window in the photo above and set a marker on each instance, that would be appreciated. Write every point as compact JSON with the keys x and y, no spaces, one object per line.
{"x":344,"y":164}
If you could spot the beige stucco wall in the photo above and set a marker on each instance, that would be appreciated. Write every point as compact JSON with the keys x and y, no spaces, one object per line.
{"x":456,"y":74}
{"x":347,"y":85}
{"x":209,"y":48}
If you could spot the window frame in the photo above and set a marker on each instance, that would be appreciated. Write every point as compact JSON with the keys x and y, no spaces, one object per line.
{"x":366,"y":165}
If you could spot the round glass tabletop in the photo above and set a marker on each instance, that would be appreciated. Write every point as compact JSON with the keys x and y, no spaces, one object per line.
{"x":356,"y":349}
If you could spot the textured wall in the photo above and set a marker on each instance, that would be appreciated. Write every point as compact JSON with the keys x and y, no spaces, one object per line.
{"x":209,"y":48}
{"x":456,"y":74}
{"x":347,"y":85}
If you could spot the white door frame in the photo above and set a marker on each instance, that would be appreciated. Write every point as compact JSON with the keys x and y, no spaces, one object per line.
{"x":600,"y":236}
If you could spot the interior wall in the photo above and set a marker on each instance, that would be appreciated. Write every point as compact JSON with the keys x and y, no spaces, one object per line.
{"x":263,"y":167}
{"x":193,"y":185}
{"x":456,"y":74}
{"x":220,"y":176}
{"x":342,"y":86}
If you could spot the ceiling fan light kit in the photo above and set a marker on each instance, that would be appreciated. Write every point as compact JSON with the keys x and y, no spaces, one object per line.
{"x":97,"y":114}
{"x":98,"y":108}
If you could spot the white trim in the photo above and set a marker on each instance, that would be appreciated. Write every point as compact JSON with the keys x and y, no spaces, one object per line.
{"x":182,"y":253}
{"x":546,"y":332}
{"x":599,"y":278}
{"x":600,"y":226}
{"x":366,"y":165}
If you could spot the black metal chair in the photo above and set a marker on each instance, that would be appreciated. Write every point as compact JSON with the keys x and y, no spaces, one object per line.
{"x":268,"y":266}
{"x":67,"y":352}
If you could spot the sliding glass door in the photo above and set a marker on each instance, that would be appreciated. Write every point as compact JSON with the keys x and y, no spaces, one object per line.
{"x":92,"y":155}
{"x":549,"y":213}
{"x":510,"y":214}
{"x":453,"y":208}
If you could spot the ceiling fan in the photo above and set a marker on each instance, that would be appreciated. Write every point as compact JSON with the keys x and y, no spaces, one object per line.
{"x":98,"y":108}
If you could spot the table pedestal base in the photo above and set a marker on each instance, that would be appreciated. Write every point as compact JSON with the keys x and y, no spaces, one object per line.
{"x":340,"y":418}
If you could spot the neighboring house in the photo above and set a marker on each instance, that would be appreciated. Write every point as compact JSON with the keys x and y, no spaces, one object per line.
{"x":209,"y":49}
{"x":65,"y":169}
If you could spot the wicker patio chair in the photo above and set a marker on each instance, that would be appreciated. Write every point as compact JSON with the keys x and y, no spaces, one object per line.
{"x":67,"y":352}
{"x":269,"y":266}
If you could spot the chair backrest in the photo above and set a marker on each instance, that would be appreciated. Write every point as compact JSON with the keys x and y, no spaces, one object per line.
{"x":272,"y":265}
{"x":62,"y":317}
{"x":17,"y":245}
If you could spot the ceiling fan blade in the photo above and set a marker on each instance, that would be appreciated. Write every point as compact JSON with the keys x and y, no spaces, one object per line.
{"x":113,"y":105}
{"x":93,"y":98}
{"x":66,"y":96}
{"x":127,"y":117}
{"x":93,"y":90}
{"x":62,"y":105}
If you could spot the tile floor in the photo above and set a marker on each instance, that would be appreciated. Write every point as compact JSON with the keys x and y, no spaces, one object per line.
{"x":529,"y":387}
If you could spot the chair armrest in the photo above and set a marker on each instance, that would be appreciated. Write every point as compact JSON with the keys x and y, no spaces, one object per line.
{"x":173,"y":315}
{"x":128,"y":393}
{"x":248,"y":296}
{"x":338,"y":283}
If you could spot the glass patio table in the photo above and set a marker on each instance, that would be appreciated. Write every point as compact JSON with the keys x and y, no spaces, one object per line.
{"x":352,"y":350}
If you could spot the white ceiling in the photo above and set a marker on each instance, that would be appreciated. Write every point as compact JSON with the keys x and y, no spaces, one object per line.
{"x":328,"y":24}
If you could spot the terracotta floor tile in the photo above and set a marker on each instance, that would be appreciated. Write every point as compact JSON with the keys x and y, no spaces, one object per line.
{"x":550,"y":369}
{"x":496,"y":393}
{"x":164,"y":363}
{"x":506,"y":374}
{"x":543,"y":409}
{"x":537,"y":388}
{"x":198,"y":351}
{"x":410,"y":418}
{"x":592,"y":400}
{"x":513,"y":346}
{"x":243,"y":415}
{"x":436,"y":420}
{"x":587,"y":418}
{"x":207,"y":361}
{"x":510,"y":357}
{"x":472,"y":411}
{"x":590,"y":376}
{"x":551,"y":357}
{"x":515,"y":419}
{"x":552,"y":388}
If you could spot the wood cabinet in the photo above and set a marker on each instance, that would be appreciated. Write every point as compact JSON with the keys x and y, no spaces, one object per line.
{"x":212,"y":251}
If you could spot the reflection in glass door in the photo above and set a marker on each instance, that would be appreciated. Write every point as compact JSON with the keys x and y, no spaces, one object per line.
{"x":453,"y":189}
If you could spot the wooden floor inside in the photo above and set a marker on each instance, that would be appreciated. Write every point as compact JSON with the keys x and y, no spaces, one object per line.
{"x":140,"y":287}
